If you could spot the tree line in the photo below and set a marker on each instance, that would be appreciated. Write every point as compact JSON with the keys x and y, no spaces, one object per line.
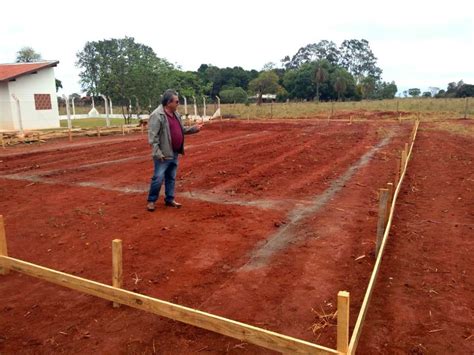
{"x":128,"y":71}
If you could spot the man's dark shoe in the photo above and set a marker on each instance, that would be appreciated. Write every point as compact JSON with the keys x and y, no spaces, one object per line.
{"x":150,"y":206}
{"x":173,"y":204}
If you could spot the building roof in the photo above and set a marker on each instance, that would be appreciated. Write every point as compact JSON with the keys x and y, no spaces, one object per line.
{"x":12,"y":71}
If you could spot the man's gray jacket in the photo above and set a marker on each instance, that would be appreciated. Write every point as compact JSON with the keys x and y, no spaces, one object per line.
{"x":159,"y":135}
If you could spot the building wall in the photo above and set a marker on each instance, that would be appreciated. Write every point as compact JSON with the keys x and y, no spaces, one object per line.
{"x":25,"y":87}
{"x":6,"y":119}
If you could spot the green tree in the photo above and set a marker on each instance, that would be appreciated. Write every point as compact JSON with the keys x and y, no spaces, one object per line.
{"x":231,"y":95}
{"x":312,"y":52}
{"x":321,"y":75}
{"x":357,"y":57}
{"x":59,"y":84}
{"x":465,"y":90}
{"x":300,"y":82}
{"x":265,"y":83}
{"x":27,"y":55}
{"x":415,"y":92}
{"x":341,"y":79}
{"x":367,"y":86}
{"x":124,"y":70}
{"x":385,"y":90}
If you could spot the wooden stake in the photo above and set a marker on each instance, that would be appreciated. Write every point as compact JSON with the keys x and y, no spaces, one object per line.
{"x":123,"y":130}
{"x":98,"y":131}
{"x":397,"y":172}
{"x":70,"y":135}
{"x":117,"y":273}
{"x":399,"y":118}
{"x":383,"y":199}
{"x":350,"y":120}
{"x":342,"y":321}
{"x":3,"y":245}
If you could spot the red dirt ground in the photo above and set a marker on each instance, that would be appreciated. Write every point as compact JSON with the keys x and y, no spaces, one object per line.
{"x":242,"y":184}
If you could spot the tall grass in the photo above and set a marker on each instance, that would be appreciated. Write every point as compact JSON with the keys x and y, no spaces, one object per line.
{"x":440,"y":107}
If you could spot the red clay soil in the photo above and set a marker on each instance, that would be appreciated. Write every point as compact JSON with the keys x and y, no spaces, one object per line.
{"x":242,"y":185}
{"x":424,"y":300}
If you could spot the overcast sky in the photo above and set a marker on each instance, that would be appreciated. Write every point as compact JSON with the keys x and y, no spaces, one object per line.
{"x":417,"y":43}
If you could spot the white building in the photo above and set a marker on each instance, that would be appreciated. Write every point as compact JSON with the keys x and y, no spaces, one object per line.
{"x":28,"y":96}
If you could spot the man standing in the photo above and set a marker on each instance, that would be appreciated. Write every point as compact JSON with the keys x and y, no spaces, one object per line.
{"x":166,"y":137}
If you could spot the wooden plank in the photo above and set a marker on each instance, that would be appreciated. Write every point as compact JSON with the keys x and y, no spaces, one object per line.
{"x":343,"y":321}
{"x":117,"y":270}
{"x":373,"y":277}
{"x":221,"y":325}
{"x":403,"y":162}
{"x":383,"y":207}
{"x":3,"y":245}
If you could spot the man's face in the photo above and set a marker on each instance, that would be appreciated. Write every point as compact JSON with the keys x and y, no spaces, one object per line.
{"x":173,"y":104}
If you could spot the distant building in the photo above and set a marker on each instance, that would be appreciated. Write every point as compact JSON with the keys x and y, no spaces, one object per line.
{"x":265,"y":97}
{"x":34,"y":85}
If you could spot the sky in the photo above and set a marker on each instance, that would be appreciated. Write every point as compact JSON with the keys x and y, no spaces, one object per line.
{"x":418,"y":43}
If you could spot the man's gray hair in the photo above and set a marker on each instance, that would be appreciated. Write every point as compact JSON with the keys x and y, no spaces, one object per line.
{"x":168,"y":96}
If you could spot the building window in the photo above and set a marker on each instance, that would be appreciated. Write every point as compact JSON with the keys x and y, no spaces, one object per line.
{"x":43,"y":101}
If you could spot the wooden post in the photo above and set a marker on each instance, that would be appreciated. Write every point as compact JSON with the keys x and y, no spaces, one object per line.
{"x":98,"y":131}
{"x":383,"y":199}
{"x":397,"y":172}
{"x":343,"y":321}
{"x":123,"y":130}
{"x":69,"y":133}
{"x":3,"y":245}
{"x":143,"y":128}
{"x":350,"y":120}
{"x":389,"y":201}
{"x":399,"y":118}
{"x":117,"y":274}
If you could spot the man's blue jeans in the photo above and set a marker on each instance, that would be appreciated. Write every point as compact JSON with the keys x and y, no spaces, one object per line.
{"x":164,"y":171}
